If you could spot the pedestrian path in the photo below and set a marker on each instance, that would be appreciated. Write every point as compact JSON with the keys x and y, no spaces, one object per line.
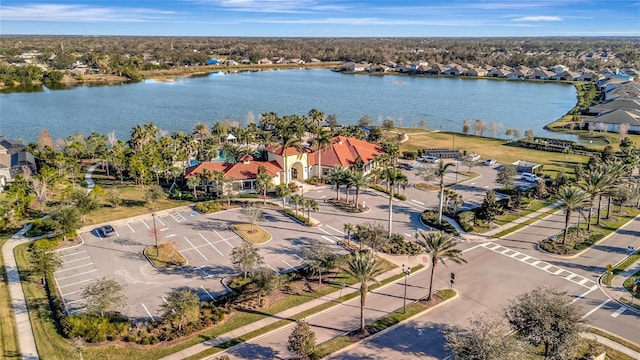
{"x":26,"y":340}
{"x":496,"y":230}
{"x":617,"y":290}
{"x":88,"y":177}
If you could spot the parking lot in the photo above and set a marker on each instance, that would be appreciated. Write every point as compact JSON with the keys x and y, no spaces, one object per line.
{"x":206,"y":241}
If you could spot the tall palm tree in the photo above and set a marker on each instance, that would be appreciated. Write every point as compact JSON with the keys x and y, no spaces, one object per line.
{"x":439,"y":246}
{"x":283,"y":191}
{"x":572,"y":198}
{"x":348,"y":229}
{"x":441,"y":171}
{"x":359,"y":180}
{"x":364,"y":267}
{"x":193,"y":182}
{"x":310,"y":205}
{"x":296,"y":200}
{"x":392,"y":176}
{"x":264,"y":182}
{"x":616,"y":172}
{"x":288,"y":139}
{"x":594,"y":182}
{"x":321,"y":141}
{"x":336,"y":177}
{"x":219,"y":129}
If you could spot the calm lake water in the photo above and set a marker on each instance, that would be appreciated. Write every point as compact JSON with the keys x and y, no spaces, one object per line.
{"x":178,"y":105}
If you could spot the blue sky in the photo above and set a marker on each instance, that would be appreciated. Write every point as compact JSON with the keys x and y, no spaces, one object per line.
{"x":322,"y":18}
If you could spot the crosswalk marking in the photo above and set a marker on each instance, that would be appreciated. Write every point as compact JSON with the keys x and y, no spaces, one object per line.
{"x":542,"y":265}
{"x":618,"y":312}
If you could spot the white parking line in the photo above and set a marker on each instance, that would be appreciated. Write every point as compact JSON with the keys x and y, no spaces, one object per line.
{"x":145,"y":224}
{"x":71,"y":293}
{"x":334,"y":229}
{"x":329,"y":240}
{"x":148,"y":313}
{"x":160,"y":221}
{"x":170,"y":235}
{"x":272,"y":268}
{"x":74,"y":260}
{"x":73,"y":301}
{"x":208,"y":242}
{"x":298,"y":256}
{"x":223,"y":239}
{"x":196,"y":249}
{"x":205,"y":290}
{"x":595,"y":309}
{"x":324,"y":231}
{"x":73,"y":254}
{"x":76,"y":283}
{"x":618,"y":312}
{"x":79,"y":274}
{"x":75,"y":267}
{"x":417,"y":202}
{"x":129,"y":225}
{"x":289,"y":265}
{"x":584,"y":294}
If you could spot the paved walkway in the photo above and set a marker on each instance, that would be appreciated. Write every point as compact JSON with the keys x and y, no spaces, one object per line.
{"x":88,"y":176}
{"x":26,"y":339}
{"x":612,"y":344}
{"x":412,"y":261}
{"x":616,"y":290}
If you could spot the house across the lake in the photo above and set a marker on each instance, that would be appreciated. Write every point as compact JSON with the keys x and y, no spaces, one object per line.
{"x":14,"y":159}
{"x":286,"y":165}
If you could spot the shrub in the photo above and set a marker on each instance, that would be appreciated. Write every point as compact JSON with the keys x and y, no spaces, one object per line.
{"x":248,"y":196}
{"x":95,"y":328}
{"x":430,"y":218}
{"x":466,"y":219}
{"x":301,"y":218}
{"x":398,"y":246}
{"x":209,"y":207}
{"x":410,"y":155}
{"x":382,"y":189}
{"x":41,"y":227}
{"x":47,"y":243}
{"x":314,"y":180}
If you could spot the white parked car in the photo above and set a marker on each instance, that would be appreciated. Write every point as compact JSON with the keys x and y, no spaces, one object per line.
{"x":530,"y":177}
{"x":489,"y":162}
{"x":429,"y":159}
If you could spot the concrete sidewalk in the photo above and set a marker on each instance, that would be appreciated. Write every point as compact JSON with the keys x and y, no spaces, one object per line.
{"x":616,"y":290}
{"x":26,"y":339}
{"x":329,"y":298}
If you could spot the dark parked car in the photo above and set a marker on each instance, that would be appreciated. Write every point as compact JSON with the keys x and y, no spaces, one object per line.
{"x":107,"y":231}
{"x":404,"y":166}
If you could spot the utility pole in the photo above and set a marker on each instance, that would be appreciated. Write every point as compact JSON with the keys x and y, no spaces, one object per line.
{"x":155,"y":234}
{"x":406,"y":272}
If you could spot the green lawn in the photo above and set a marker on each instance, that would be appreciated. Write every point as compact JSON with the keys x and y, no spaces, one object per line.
{"x":166,"y":257}
{"x":251,"y":233}
{"x":9,"y":347}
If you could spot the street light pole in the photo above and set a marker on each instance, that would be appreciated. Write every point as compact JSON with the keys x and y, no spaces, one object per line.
{"x":155,"y":234}
{"x":406,"y":272}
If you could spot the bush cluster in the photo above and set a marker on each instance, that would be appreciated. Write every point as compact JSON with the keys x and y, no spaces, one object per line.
{"x":248,"y":196}
{"x":430,"y":218}
{"x":395,"y":195}
{"x":301,"y":218}
{"x":467,"y":219}
{"x":410,"y":155}
{"x":314,"y":180}
{"x":94,"y":328}
{"x":397,"y":246}
{"x":209,"y":207}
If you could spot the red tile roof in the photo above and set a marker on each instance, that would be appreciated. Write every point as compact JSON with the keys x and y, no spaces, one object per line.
{"x":237,"y":171}
{"x":278,"y":150}
{"x":344,"y":151}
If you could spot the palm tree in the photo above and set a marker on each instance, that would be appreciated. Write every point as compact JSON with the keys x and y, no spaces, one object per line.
{"x":230,"y":152}
{"x":264,"y":182}
{"x":283,"y":191}
{"x":441,"y":171}
{"x":594,"y":182}
{"x":572,"y":198}
{"x":310,"y":205}
{"x":364,"y":267}
{"x":288,"y":140}
{"x":219,"y":129}
{"x":193,"y":182}
{"x":297,"y":200}
{"x":439,"y":246}
{"x":359,"y":180}
{"x":320,"y":142}
{"x":348,"y":229}
{"x":616,"y":171}
{"x":392,"y":176}
{"x":336,"y":177}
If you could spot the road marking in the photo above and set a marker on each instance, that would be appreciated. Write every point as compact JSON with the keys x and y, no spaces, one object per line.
{"x":129,"y":225}
{"x":76,"y":283}
{"x":223,"y":239}
{"x":272,"y":268}
{"x":196,"y":249}
{"x":75,"y":267}
{"x":73,"y":254}
{"x":71,"y":293}
{"x":145,"y":224}
{"x":323,"y":196}
{"x":74,"y":275}
{"x":164,"y":229}
{"x":408,"y":235}
{"x":289,"y":265}
{"x":471,"y":248}
{"x":74,"y":260}
{"x":324,"y":231}
{"x":178,"y":217}
{"x":298,"y":256}
{"x":417,"y":202}
{"x":148,"y":313}
{"x":205,"y":290}
{"x":214,"y":248}
{"x":98,"y":234}
{"x":595,"y":309}
{"x":160,"y":221}
{"x":80,"y":236}
{"x":618,"y":312}
{"x":73,"y":301}
{"x":542,"y":265}
{"x":170,"y":235}
{"x":584,"y":294}
{"x":334,"y":229}
{"x":329,"y":240}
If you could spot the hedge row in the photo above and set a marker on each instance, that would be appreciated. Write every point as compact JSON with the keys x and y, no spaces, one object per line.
{"x":430,"y":218}
{"x":382,"y":189}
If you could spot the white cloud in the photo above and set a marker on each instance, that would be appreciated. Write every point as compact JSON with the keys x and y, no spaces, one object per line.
{"x":274,"y":6}
{"x":78,"y":13}
{"x":539,"y":18}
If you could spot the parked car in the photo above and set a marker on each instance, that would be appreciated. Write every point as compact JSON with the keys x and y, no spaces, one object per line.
{"x":489,"y":162}
{"x":107,"y":231}
{"x":474,"y":157}
{"x":404,"y":166}
{"x":530,"y":177}
{"x":429,"y":159}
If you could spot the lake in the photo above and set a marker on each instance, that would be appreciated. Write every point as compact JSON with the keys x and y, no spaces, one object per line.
{"x":178,"y":105}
